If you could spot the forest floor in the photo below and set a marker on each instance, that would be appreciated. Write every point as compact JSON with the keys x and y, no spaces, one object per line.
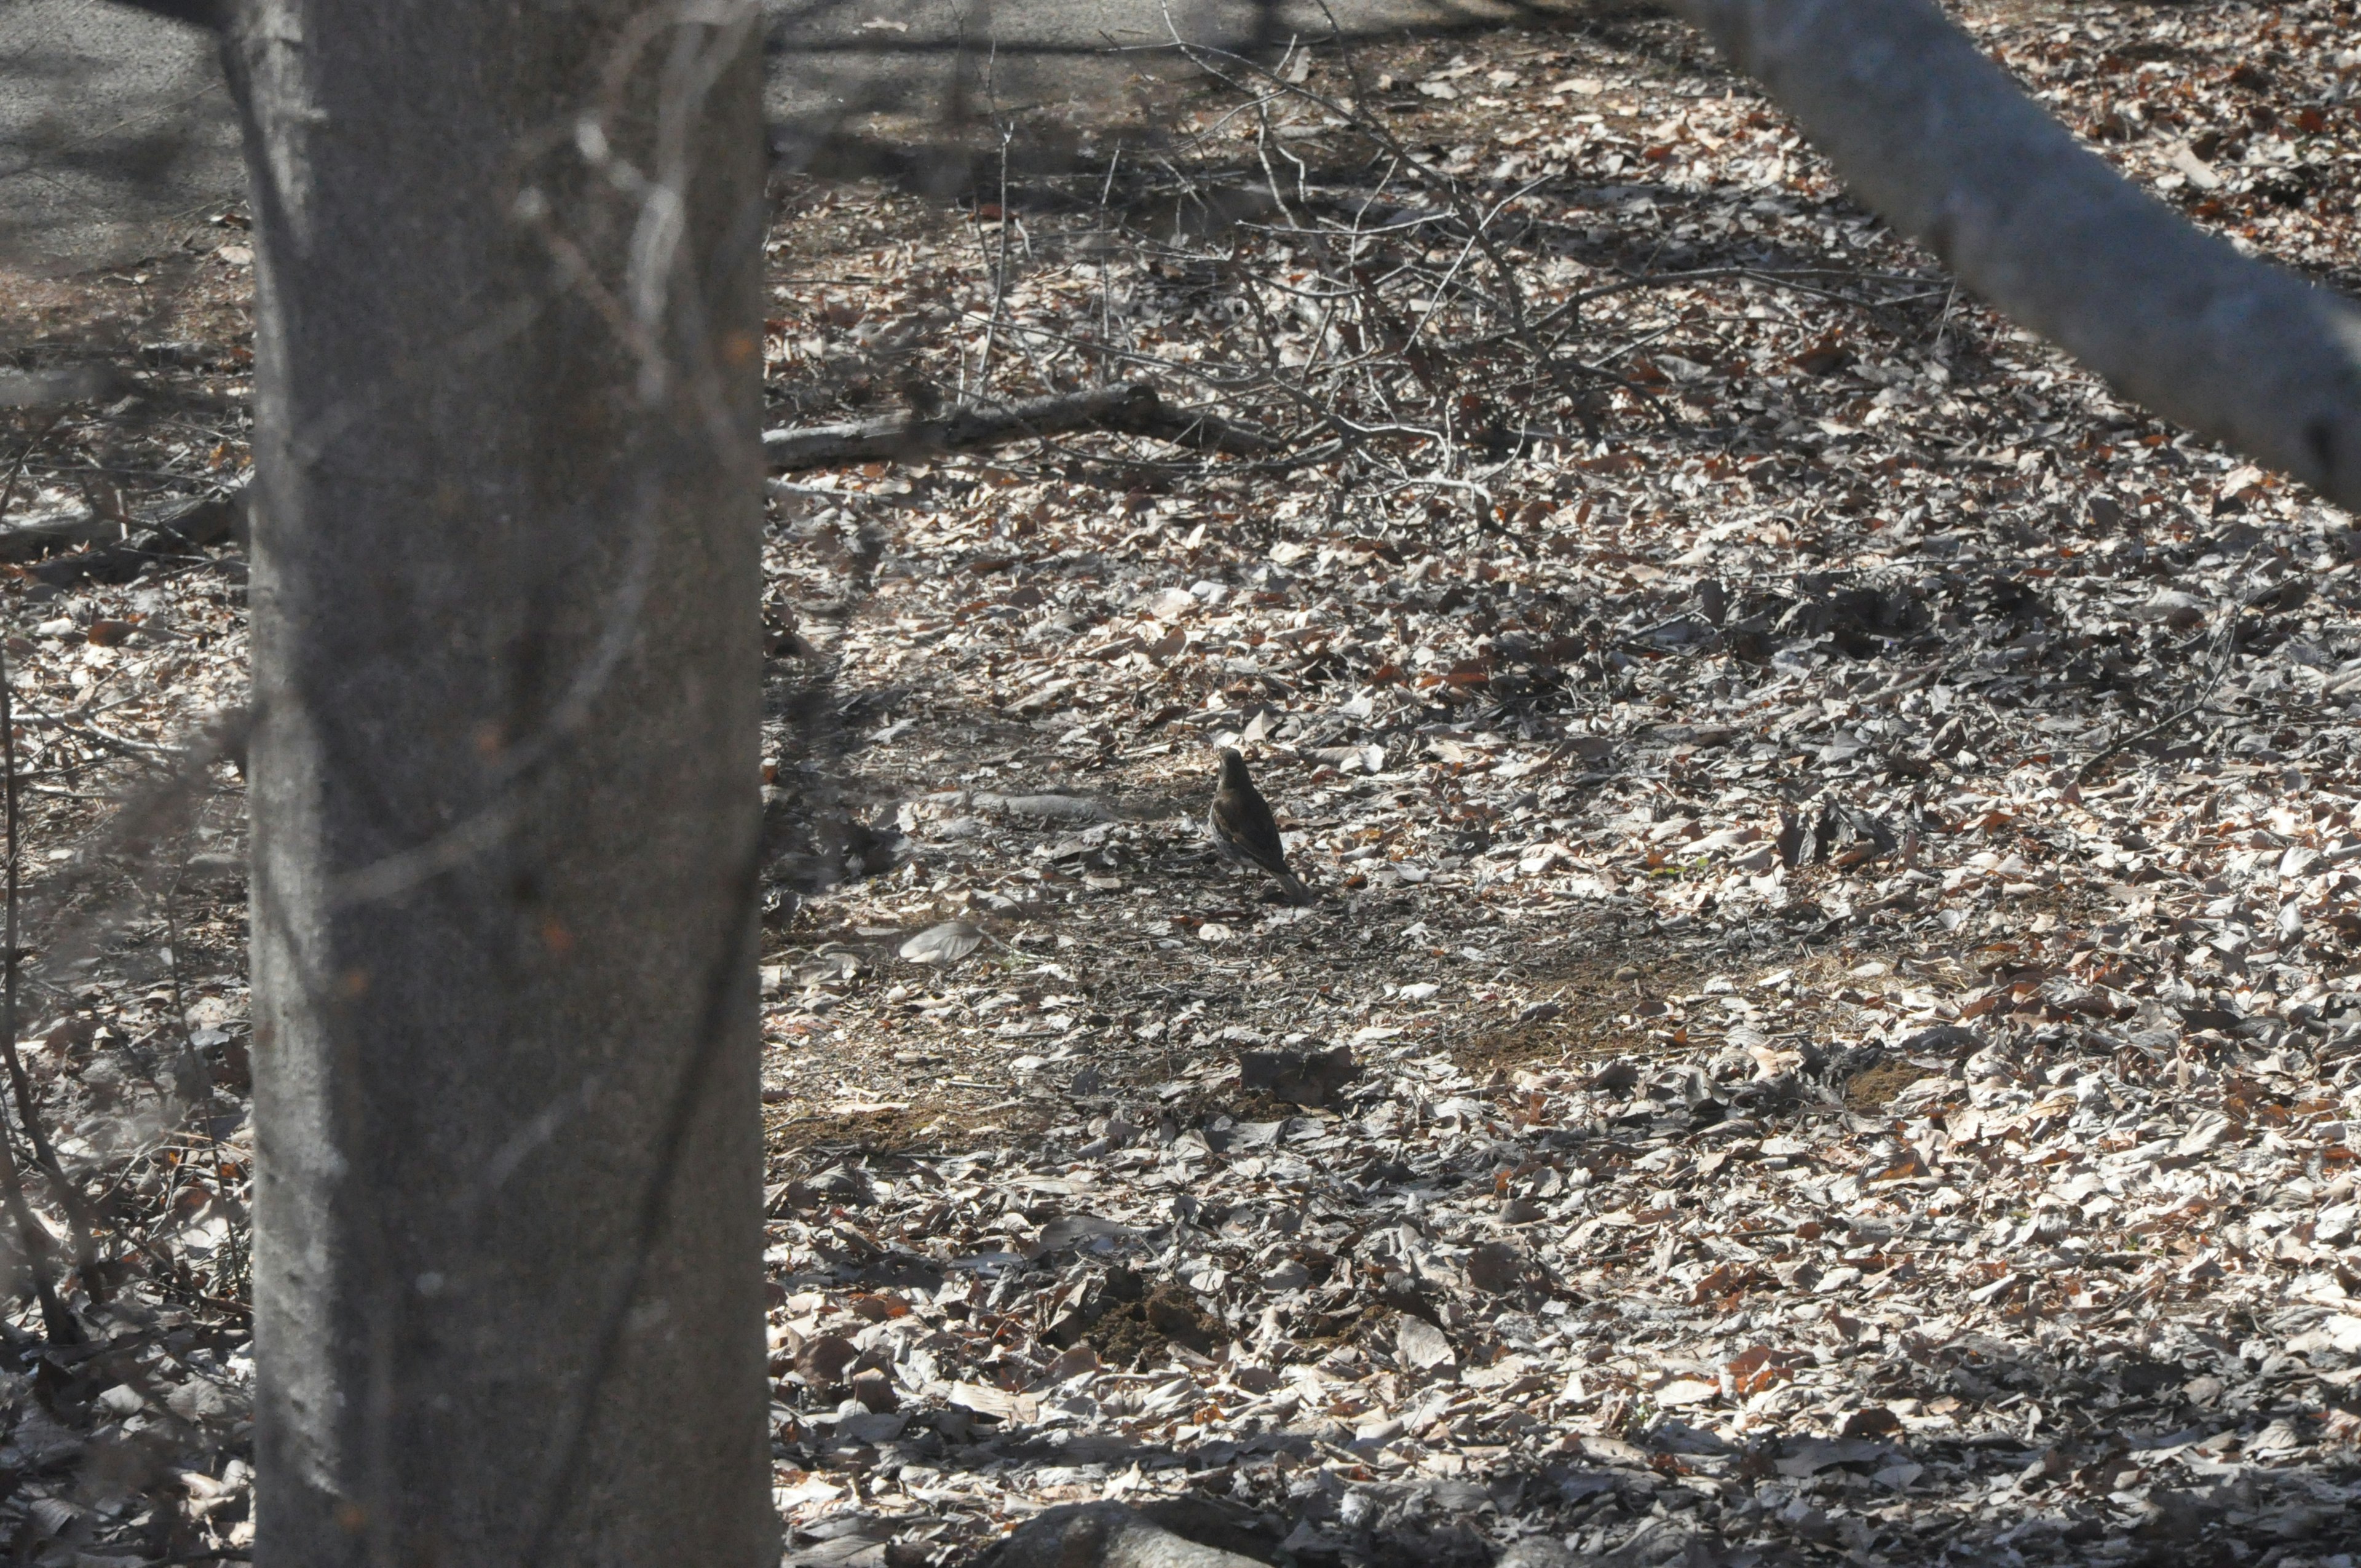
{"x":1828,"y":1026}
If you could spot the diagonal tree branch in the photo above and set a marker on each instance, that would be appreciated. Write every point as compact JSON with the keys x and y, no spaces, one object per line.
{"x":1947,"y":148}
{"x":1127,"y":406}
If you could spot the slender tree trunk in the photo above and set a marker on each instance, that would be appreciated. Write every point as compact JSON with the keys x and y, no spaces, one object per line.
{"x":508,"y":1263}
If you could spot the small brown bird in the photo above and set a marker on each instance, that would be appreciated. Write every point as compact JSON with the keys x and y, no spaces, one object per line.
{"x":1244,"y":829}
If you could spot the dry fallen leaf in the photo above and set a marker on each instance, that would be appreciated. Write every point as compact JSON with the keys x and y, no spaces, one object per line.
{"x":944,"y":944}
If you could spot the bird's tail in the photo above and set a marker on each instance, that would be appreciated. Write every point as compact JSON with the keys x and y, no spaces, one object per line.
{"x":1294,"y":887}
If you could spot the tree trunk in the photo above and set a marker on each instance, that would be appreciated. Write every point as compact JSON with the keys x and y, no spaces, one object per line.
{"x":508,"y":1279}
{"x":1945,"y":147}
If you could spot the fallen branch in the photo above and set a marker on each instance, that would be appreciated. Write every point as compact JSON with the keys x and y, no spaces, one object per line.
{"x":27,"y":541}
{"x":188,"y":525}
{"x":1947,"y":148}
{"x":1127,"y":406}
{"x":197,"y":523}
{"x":205,"y":521}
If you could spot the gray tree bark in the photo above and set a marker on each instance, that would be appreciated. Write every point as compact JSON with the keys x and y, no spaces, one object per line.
{"x":508,"y":1278}
{"x":1944,"y":146}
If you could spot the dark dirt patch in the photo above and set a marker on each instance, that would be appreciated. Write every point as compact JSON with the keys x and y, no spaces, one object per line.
{"x":1258,"y":1105}
{"x":1874,"y":1086}
{"x":1206,"y":1109}
{"x":893,"y":1130}
{"x":1130,"y":1331}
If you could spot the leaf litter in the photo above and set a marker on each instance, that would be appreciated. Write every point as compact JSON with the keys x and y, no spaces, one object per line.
{"x":1791,"y":1058}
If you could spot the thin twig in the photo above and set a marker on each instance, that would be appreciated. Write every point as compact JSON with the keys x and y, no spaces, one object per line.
{"x":2226,"y":645}
{"x":1000,"y":269}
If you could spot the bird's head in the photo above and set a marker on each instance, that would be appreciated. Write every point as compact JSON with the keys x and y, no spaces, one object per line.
{"x":1234,"y":769}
